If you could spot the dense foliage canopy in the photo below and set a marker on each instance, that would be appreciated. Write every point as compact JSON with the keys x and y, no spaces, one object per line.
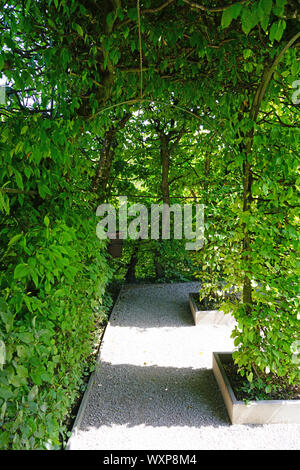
{"x":172,"y":101}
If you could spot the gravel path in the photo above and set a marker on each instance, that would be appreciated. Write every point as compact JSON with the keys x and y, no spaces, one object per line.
{"x":153,"y":387}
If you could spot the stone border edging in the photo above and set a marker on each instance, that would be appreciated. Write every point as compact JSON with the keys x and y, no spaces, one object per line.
{"x":255,"y":412}
{"x":209,"y":317}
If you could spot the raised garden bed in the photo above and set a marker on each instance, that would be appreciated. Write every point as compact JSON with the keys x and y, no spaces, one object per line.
{"x":256,"y":411}
{"x":208,"y":313}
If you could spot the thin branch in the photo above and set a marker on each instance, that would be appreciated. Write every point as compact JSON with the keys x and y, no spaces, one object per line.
{"x":156,"y":10}
{"x":16,"y":191}
{"x":140,"y":47}
{"x":179,"y":136}
{"x":214,"y":9}
{"x":145,"y":11}
{"x":266,"y":79}
{"x":178,"y":177}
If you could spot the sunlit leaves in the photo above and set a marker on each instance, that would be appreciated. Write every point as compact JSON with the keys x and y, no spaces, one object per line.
{"x":21,"y":270}
{"x":278,"y":8}
{"x":277,"y":29}
{"x":33,"y":393}
{"x":71,"y":64}
{"x":266,"y":6}
{"x":249,"y":19}
{"x":77,"y":28}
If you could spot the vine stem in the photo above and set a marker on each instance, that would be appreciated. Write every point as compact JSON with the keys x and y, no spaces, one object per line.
{"x":260,"y":93}
{"x":247,"y":170}
{"x":140,"y":46}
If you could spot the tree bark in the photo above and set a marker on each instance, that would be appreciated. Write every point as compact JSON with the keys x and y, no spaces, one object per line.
{"x":105,"y":161}
{"x":130,"y":274}
{"x":165,"y":153}
{"x":165,"y":167}
{"x":247,"y":182}
{"x":107,"y":154}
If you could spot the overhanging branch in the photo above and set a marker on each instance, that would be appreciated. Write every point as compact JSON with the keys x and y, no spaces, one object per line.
{"x":211,"y":9}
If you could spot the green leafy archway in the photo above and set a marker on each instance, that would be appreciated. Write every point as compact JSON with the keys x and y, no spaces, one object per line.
{"x":215,"y":118}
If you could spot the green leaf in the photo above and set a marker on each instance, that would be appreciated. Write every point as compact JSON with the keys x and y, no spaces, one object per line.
{"x":33,"y":393}
{"x":14,"y":239}
{"x":266,"y":6}
{"x":265,"y":189}
{"x":21,"y":371}
{"x":46,"y":221}
{"x":43,"y":190}
{"x":230,"y":14}
{"x":278,"y":9}
{"x":22,"y":351}
{"x":19,"y":180}
{"x":3,"y":411}
{"x":5,"y":393}
{"x":6,"y":316}
{"x":126,"y":32}
{"x":250,"y":377}
{"x":77,"y":28}
{"x":26,"y":338}
{"x":247,"y":53}
{"x":51,"y":23}
{"x":21,"y":270}
{"x":249,"y":20}
{"x":110,"y":18}
{"x":114,"y":56}
{"x":132,"y":14}
{"x":295,"y":68}
{"x":263,"y":12}
{"x":277,"y":30}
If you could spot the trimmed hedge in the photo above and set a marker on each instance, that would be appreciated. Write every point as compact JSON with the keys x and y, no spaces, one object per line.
{"x":53,"y":277}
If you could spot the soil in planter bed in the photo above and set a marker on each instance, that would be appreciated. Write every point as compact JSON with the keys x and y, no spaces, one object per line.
{"x":212,"y":303}
{"x":245,"y":391}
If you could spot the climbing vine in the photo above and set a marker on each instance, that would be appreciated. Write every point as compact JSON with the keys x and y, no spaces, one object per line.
{"x":151,"y":98}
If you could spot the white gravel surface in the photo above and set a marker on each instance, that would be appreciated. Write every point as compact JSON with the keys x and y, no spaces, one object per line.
{"x":153,"y":387}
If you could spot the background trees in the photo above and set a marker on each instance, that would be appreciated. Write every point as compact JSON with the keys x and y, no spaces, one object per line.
{"x":194,"y":100}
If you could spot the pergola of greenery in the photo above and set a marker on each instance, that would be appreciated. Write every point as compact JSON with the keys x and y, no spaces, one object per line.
{"x":154,"y":99}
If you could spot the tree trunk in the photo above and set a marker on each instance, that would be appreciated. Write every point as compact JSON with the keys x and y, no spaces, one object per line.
{"x":247,"y":182}
{"x":165,"y":166}
{"x":107,"y":154}
{"x":105,"y":161}
{"x":247,"y":173}
{"x":159,"y":269}
{"x":130,"y":274}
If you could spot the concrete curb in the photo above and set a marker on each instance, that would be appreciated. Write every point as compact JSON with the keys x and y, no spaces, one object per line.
{"x":255,"y":412}
{"x":91,"y":381}
{"x":209,"y":317}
